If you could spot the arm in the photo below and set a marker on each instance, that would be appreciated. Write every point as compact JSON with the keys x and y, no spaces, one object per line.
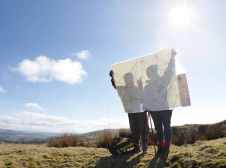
{"x":141,"y":89}
{"x":111,"y":74}
{"x":140,"y":84}
{"x":169,"y":70}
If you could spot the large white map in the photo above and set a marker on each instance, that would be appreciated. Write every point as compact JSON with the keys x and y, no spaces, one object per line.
{"x":150,"y":83}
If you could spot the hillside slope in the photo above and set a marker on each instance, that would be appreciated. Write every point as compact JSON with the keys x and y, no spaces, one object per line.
{"x":8,"y":135}
{"x":204,"y":154}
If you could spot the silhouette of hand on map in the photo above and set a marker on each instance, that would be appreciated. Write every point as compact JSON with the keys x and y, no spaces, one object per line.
{"x":139,"y":83}
{"x":174,"y":53}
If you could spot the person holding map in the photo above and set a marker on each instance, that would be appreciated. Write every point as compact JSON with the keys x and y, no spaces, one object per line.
{"x":155,"y":91}
{"x":138,"y":119}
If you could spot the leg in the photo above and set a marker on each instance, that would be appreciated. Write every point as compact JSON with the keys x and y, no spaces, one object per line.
{"x":134,"y":129}
{"x":145,"y":131}
{"x":138,"y":128}
{"x":158,"y":126}
{"x":156,"y":117}
{"x":166,"y":119}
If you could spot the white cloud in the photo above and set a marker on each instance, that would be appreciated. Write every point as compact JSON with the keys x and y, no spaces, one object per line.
{"x":34,"y":107}
{"x":44,"y":122}
{"x":199,"y":114}
{"x":37,"y":121}
{"x":44,"y":69}
{"x":2,"y":90}
{"x":83,"y":55}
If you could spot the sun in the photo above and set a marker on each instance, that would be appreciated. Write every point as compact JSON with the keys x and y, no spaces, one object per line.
{"x":180,"y":16}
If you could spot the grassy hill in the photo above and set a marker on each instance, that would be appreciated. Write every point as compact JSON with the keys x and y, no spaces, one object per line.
{"x":202,"y":154}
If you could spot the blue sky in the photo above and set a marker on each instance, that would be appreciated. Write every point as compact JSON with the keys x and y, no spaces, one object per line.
{"x":92,"y":35}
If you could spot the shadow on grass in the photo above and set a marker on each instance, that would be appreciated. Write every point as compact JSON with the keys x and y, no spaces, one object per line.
{"x":122,"y":161}
{"x":156,"y":163}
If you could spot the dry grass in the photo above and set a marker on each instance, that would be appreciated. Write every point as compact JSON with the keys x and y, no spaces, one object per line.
{"x":202,"y":154}
{"x":64,"y":141}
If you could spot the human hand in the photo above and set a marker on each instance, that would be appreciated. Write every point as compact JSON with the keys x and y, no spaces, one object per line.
{"x":139,"y":83}
{"x":111,"y":74}
{"x":173,"y":52}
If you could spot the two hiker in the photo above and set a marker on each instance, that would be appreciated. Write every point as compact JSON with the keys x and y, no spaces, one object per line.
{"x":155,"y":90}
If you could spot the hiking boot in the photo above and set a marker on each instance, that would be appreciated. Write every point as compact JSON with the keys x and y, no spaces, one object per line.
{"x":160,"y":163}
{"x":164,"y":154}
{"x":137,"y":149}
{"x":145,"y":148}
{"x":159,"y":152}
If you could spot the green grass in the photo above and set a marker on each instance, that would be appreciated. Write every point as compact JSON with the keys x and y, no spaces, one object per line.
{"x":202,"y":154}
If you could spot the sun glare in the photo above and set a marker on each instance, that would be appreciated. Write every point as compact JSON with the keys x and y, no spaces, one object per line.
{"x":180,"y":16}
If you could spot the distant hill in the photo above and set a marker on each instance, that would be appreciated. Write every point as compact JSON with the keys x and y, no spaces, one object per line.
{"x":7,"y":135}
